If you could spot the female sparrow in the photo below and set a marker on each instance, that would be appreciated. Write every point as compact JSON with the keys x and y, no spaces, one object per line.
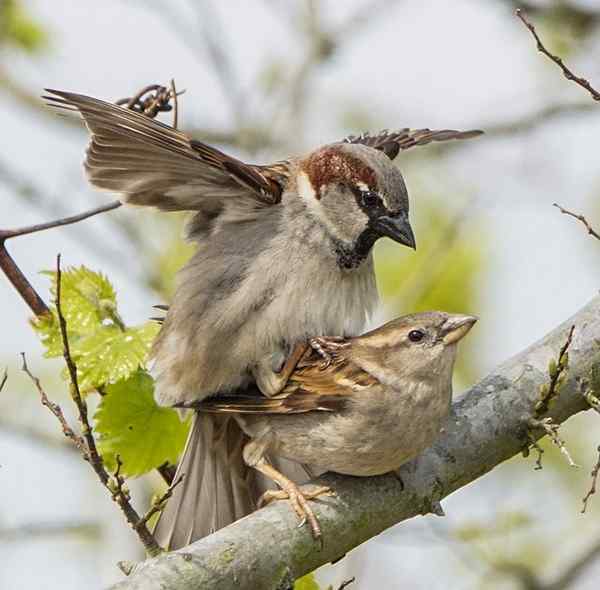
{"x":378,"y":402}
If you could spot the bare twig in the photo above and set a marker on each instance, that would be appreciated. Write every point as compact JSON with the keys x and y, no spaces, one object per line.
{"x":4,"y":379}
{"x":56,"y":410}
{"x":30,"y":229}
{"x":346,"y":583}
{"x":569,"y":75}
{"x":150,"y":100}
{"x":551,"y":429}
{"x":14,"y":273}
{"x":175,"y":103}
{"x":548,"y":393}
{"x":588,"y":395}
{"x":535,"y":445}
{"x":159,"y":503}
{"x":592,"y":490}
{"x":590,"y":229}
{"x":556,"y":370}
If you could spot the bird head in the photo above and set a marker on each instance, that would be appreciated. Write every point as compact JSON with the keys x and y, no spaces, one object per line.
{"x":417,"y":347}
{"x":357,"y":194}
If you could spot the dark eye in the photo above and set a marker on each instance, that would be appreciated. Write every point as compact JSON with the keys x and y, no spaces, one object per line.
{"x":416,"y":335}
{"x":369,"y":199}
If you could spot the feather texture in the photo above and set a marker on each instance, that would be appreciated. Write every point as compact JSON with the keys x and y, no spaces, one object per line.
{"x":312,"y":387}
{"x":150,"y":163}
{"x":391,"y":142}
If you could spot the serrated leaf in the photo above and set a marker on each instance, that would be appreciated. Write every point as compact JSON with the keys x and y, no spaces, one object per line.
{"x":130,"y":424}
{"x":87,"y":299}
{"x":47,"y":328}
{"x":112,"y":354}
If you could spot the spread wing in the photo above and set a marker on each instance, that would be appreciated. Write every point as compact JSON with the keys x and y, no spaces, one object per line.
{"x":391,"y":142}
{"x":150,"y":163}
{"x":310,"y":388}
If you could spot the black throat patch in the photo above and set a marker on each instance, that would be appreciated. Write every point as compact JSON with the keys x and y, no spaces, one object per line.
{"x":351,"y":256}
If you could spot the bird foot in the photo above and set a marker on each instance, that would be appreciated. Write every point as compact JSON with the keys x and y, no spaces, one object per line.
{"x":327,"y":348}
{"x":299,"y":501}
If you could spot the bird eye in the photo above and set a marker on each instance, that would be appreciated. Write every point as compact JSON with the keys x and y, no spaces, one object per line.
{"x":416,"y":335}
{"x":369,"y":199}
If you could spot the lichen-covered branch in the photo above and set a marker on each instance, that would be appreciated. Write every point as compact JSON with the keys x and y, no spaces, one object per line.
{"x":267,"y":550}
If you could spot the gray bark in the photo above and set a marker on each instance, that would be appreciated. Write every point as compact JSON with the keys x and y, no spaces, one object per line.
{"x":267,"y":550}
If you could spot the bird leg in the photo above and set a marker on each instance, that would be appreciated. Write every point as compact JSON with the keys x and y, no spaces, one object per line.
{"x":271,"y":382}
{"x":291,"y":491}
{"x":254,"y":456}
{"x":327,"y":348}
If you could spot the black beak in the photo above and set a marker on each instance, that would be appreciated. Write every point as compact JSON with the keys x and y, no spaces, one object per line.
{"x":398,"y":228}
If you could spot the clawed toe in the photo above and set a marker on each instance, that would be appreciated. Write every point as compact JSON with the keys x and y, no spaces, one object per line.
{"x":299,"y":501}
{"x":327,"y":348}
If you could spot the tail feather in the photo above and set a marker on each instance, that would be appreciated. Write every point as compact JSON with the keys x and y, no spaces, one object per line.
{"x":217,"y":486}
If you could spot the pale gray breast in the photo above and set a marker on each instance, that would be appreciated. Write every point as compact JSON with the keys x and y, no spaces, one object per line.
{"x":381,"y":430}
{"x":255,"y":288}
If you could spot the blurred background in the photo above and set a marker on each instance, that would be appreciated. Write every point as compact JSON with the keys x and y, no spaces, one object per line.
{"x":265,"y":79}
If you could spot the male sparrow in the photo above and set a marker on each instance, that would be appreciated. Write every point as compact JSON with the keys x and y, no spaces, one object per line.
{"x":378,"y":402}
{"x":284,"y":250}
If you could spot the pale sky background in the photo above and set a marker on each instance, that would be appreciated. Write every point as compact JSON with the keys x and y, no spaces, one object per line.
{"x":428,"y":63}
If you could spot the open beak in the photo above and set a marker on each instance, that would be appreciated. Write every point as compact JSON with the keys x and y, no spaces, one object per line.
{"x":398,"y":228}
{"x":456,"y":327}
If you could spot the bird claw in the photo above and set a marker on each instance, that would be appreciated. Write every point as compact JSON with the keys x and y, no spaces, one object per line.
{"x":299,"y":501}
{"x":327,"y":348}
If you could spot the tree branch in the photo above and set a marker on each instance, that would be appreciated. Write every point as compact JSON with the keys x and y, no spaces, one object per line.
{"x":569,"y":75}
{"x":267,"y":550}
{"x":590,"y":229}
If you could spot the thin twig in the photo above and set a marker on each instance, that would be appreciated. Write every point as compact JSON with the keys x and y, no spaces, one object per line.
{"x":590,"y":229}
{"x":175,"y":103}
{"x":588,"y":395}
{"x":30,"y":229}
{"x":4,"y":379}
{"x":551,"y":429}
{"x":56,"y":410}
{"x":346,"y":583}
{"x":551,"y":391}
{"x":569,"y":75}
{"x":535,"y":445}
{"x":14,"y":273}
{"x":160,"y":502}
{"x":119,"y":494}
{"x":592,"y":489}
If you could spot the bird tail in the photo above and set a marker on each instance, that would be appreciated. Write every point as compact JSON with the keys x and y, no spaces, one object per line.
{"x":217,"y":486}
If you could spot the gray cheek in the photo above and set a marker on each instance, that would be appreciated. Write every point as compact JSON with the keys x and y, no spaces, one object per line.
{"x":344,"y":217}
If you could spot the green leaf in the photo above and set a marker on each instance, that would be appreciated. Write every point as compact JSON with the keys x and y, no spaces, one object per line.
{"x":47,"y":328}
{"x":130,"y":424}
{"x":111,"y":354}
{"x":87,"y":299}
{"x":306,"y":582}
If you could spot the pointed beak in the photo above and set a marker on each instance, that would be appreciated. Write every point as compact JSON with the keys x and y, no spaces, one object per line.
{"x":456,"y":327}
{"x":398,"y":228}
